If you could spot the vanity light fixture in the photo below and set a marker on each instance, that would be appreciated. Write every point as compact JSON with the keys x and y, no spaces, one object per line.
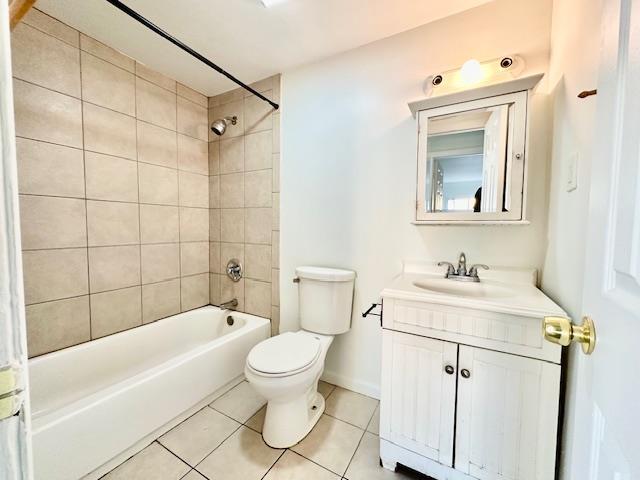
{"x":474,"y":73}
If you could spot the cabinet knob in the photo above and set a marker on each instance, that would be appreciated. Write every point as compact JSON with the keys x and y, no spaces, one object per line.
{"x":465,"y":373}
{"x":449,"y":369}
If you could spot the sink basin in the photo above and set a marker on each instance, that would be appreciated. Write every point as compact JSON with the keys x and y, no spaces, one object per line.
{"x":465,"y":289}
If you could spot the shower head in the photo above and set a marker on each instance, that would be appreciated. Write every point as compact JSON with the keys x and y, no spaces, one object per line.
{"x":219,"y":126}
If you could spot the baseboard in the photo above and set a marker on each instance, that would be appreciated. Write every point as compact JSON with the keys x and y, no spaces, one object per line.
{"x":146,"y":441}
{"x":353,"y":384}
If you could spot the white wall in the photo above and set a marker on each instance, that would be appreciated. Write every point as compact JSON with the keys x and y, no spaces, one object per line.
{"x":575,"y":43}
{"x":348,"y":167}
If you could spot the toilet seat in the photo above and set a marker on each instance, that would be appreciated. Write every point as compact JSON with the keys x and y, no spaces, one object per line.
{"x":285,"y":354}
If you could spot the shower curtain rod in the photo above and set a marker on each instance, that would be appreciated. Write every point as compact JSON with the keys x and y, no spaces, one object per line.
{"x":151,"y":26}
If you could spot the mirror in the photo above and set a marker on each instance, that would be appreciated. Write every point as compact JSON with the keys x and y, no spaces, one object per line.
{"x":470,"y":163}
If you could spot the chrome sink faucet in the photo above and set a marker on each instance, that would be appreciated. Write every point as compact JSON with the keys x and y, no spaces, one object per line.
{"x":461,"y":273}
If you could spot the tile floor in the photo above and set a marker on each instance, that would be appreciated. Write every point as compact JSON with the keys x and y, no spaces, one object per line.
{"x":223,"y":441}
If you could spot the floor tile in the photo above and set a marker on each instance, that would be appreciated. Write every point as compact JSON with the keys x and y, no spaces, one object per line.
{"x":374,"y":423}
{"x":193,"y":475}
{"x":199,"y":435}
{"x":366,"y":463}
{"x":292,"y":466}
{"x":239,"y":403}
{"x":257,"y":421}
{"x":153,"y":462}
{"x":351,"y":407}
{"x":244,"y":455}
{"x":325,"y":388}
{"x":331,"y":444}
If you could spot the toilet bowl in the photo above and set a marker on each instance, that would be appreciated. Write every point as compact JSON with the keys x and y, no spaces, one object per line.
{"x":285,"y":369}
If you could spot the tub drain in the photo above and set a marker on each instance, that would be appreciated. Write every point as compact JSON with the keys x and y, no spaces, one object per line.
{"x":230,"y":320}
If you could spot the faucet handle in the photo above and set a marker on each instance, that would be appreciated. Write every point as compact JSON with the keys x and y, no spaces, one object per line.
{"x":451,"y":270}
{"x":473,"y":271}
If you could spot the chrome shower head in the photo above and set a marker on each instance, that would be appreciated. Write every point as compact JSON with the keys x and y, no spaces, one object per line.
{"x":219,"y":126}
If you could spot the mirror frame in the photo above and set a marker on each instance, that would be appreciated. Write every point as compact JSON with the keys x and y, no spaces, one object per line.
{"x":516,"y":151}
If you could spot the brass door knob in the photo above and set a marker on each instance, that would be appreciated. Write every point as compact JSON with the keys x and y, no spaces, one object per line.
{"x":560,"y":330}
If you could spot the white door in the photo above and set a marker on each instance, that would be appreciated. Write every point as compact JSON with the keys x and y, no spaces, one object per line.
{"x":14,"y":411}
{"x":612,"y":274}
{"x":507,"y":416}
{"x":493,"y":168}
{"x":418,"y":394}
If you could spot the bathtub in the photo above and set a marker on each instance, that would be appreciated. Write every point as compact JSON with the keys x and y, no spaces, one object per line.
{"x":97,"y":403}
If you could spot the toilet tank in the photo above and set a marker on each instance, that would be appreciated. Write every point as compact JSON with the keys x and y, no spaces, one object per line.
{"x":325,"y":299}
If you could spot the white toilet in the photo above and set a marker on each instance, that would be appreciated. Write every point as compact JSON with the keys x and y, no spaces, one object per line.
{"x":285,"y":369}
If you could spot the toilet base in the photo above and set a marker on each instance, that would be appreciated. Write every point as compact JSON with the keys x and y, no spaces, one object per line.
{"x":287,"y":423}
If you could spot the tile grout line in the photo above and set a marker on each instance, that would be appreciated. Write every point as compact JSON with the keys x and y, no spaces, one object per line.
{"x":135,"y":109}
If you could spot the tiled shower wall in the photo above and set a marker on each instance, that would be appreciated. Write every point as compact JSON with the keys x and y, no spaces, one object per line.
{"x":244,"y":189}
{"x":114,"y":199}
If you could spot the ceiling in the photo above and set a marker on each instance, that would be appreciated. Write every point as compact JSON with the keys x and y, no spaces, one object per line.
{"x":242,"y":36}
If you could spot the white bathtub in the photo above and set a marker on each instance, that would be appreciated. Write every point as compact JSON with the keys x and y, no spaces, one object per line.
{"x":95,"y":402}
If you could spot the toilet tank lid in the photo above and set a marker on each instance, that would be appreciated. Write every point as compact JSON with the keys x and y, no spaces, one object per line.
{"x":325,"y":274}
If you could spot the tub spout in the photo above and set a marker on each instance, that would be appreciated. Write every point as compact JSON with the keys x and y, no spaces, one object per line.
{"x":230,"y":305}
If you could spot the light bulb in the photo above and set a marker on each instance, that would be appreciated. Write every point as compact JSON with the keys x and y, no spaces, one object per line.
{"x":471,"y":71}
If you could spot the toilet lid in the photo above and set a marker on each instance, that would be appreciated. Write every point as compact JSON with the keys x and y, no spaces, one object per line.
{"x":288,"y":352}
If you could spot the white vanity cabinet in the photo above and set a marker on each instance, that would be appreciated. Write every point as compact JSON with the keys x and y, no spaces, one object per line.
{"x":467,"y":394}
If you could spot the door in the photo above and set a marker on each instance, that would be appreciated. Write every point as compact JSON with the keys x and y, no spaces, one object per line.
{"x":14,"y":412}
{"x":418,"y":394}
{"x":507,"y":416}
{"x":612,"y":264}
{"x":495,"y":146}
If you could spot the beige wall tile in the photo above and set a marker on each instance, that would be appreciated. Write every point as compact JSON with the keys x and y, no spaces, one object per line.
{"x":194,"y":258}
{"x":232,"y":225}
{"x":52,"y":222}
{"x":257,"y":188}
{"x":98,"y":49}
{"x":257,"y":265}
{"x":275,"y":287}
{"x":214,"y":191}
{"x":111,"y":178}
{"x":232,"y":190}
{"x":214,"y":225}
{"x":115,"y":311}
{"x":48,"y":169}
{"x":158,"y":185}
{"x":154,"y":77}
{"x":214,"y":158}
{"x":112,"y":223}
{"x":191,"y":94}
{"x":230,"y":290}
{"x":275,"y":249}
{"x":157,"y":145}
{"x":53,"y":27}
{"x":275,"y":321}
{"x":194,"y":291}
{"x":257,"y":225}
{"x":214,"y":288}
{"x":262,"y":86}
{"x":42,"y":114}
{"x":160,"y":300}
{"x":44,"y":60}
{"x":155,"y":105}
{"x":229,"y":251}
{"x":231,"y":109}
{"x":194,"y":224}
{"x":276,"y":133}
{"x":192,"y":119}
{"x":258,"y":151}
{"x":159,"y":224}
{"x":257,"y":114}
{"x":59,"y":324}
{"x":107,"y":85}
{"x":160,"y":262}
{"x":230,"y":96}
{"x":193,"y":155}
{"x":54,"y":274}
{"x":257,"y":298}
{"x":276,"y":172}
{"x":214,"y":257}
{"x":231,"y":155}
{"x":106,"y":131}
{"x":276,"y":211}
{"x":111,"y":268}
{"x":194,"y":190}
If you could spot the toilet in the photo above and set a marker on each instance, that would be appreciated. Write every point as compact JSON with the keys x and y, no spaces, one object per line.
{"x":285,"y":369}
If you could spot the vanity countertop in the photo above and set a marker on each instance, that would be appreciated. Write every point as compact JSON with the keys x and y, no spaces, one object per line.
{"x":502,"y":290}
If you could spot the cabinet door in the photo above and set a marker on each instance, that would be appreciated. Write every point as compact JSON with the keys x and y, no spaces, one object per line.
{"x":418,"y":396}
{"x":507,"y":416}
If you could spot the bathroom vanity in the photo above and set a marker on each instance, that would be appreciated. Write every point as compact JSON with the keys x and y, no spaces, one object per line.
{"x":470,"y":389}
